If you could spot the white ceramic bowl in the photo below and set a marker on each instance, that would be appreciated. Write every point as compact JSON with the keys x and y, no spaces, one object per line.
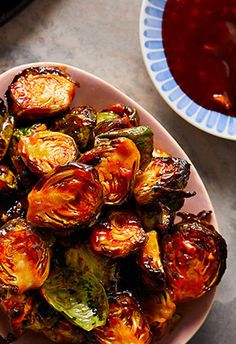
{"x":154,"y":57}
{"x":99,"y":94}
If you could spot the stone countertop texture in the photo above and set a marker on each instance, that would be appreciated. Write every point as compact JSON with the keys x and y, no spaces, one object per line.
{"x":101,"y":37}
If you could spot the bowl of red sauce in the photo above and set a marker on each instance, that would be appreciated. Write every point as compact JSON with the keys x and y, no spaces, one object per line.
{"x":189,"y":48}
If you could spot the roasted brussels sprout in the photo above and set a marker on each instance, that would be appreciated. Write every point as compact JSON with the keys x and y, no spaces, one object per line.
{"x":142,"y":137}
{"x":42,"y":151}
{"x":119,"y":111}
{"x":159,"y":310}
{"x":149,"y":261}
{"x":24,"y":257}
{"x":7,"y":180}
{"x":125,"y":323}
{"x":6,"y":129}
{"x":194,"y":258}
{"x":81,"y":298}
{"x":69,"y":196}
{"x":40,"y":92}
{"x":163,"y":181}
{"x":117,"y":162}
{"x":118,"y":234}
{"x":83,"y":259}
{"x":78,"y":123}
{"x":112,"y":125}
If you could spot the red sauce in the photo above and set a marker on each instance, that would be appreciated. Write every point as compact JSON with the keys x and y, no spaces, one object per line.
{"x":200,"y":44}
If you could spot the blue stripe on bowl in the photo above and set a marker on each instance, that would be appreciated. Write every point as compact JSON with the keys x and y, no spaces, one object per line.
{"x":212,"y":119}
{"x":183,"y":102}
{"x":152,"y":34}
{"x":154,"y":45}
{"x":153,"y":23}
{"x":156,"y":55}
{"x":201,"y":115}
{"x":155,"y":67}
{"x":154,"y":12}
{"x":192,"y":109}
{"x":232,"y":126}
{"x":176,"y":94}
{"x":162,"y":76}
{"x":221,"y":125}
{"x":169,"y":85}
{"x":158,"y":3}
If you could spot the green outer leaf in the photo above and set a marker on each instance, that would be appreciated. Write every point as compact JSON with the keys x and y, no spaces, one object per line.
{"x":142,"y":136}
{"x":103,"y":116}
{"x":81,"y":298}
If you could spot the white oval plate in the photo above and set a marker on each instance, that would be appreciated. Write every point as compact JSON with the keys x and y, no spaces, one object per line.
{"x":150,"y":33}
{"x":99,"y":94}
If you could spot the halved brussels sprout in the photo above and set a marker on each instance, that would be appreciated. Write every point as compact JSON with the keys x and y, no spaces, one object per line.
{"x":149,"y":261}
{"x":24,"y":257}
{"x":69,"y":196}
{"x":81,"y":298}
{"x":142,"y":136}
{"x":42,"y":151}
{"x":125,"y":323}
{"x":118,"y":234}
{"x":163,"y":181}
{"x":39,"y":92}
{"x":119,"y":111}
{"x":194,"y":258}
{"x":78,"y":123}
{"x":6,"y":129}
{"x":117,"y":162}
{"x":83,"y":259}
{"x":159,"y":310}
{"x":7,"y":180}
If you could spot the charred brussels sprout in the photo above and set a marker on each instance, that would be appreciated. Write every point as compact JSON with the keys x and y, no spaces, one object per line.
{"x":42,"y":151}
{"x":6,"y":130}
{"x":163,"y":181}
{"x":194,"y":258}
{"x":149,"y":261}
{"x":24,"y":257}
{"x":40,"y":92}
{"x":118,"y":235}
{"x":142,"y":136}
{"x":78,"y":123}
{"x":117,"y":162}
{"x":7,"y":180}
{"x":69,"y":196}
{"x":82,"y":259}
{"x":125,"y":323}
{"x":159,"y":310}
{"x":81,"y":298}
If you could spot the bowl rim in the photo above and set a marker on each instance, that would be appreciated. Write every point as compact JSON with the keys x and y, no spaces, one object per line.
{"x":154,"y":122}
{"x":157,"y":84}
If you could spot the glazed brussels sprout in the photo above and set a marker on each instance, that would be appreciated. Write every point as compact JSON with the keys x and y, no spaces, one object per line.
{"x":81,"y":298}
{"x":40,"y":92}
{"x":118,"y":234}
{"x":115,"y":111}
{"x":8,"y":181}
{"x":142,"y":137}
{"x":163,"y":180}
{"x":24,"y":257}
{"x":69,"y":196}
{"x":42,"y":151}
{"x":194,"y":258}
{"x":125,"y":323}
{"x":83,"y":259}
{"x":159,"y":310}
{"x":6,"y":129}
{"x":149,"y":261}
{"x":78,"y":123}
{"x":117,"y":162}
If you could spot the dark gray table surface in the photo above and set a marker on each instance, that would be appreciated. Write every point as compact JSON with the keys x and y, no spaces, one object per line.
{"x":101,"y":36}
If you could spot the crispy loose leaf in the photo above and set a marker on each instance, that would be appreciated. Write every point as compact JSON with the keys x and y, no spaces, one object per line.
{"x":7,"y":180}
{"x":42,"y":151}
{"x":81,"y":298}
{"x":6,"y":129}
{"x":69,"y":196}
